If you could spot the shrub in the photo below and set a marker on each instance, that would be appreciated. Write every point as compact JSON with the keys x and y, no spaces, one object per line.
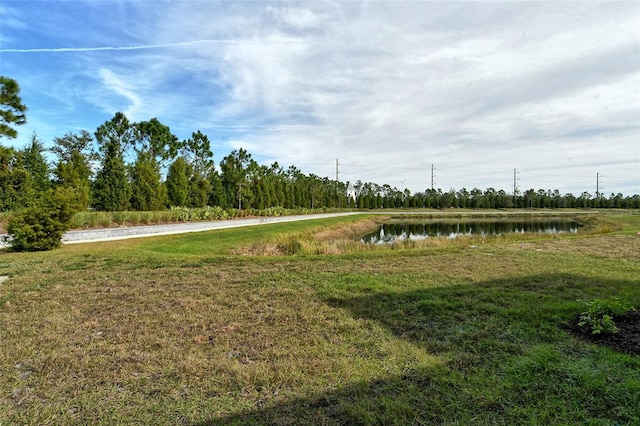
{"x":289,"y":245}
{"x":145,"y":217}
{"x":40,"y":227}
{"x":133,"y":217}
{"x":104,"y":219}
{"x":599,"y":314}
{"x":119,"y":217}
{"x":80,"y":220}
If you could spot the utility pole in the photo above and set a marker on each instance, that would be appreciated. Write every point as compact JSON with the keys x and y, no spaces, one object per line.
{"x":337,"y":174}
{"x":515,"y":187}
{"x":432,"y":176}
{"x":598,"y":185}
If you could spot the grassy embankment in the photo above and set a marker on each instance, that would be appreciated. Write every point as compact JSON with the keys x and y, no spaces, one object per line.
{"x":187,"y":330}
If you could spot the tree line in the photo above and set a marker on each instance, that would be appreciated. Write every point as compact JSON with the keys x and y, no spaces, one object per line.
{"x":499,"y":199}
{"x":143,"y":166}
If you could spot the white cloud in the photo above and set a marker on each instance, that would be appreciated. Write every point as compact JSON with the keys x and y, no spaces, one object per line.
{"x":117,"y":85}
{"x":297,"y":18}
{"x":388,"y":87}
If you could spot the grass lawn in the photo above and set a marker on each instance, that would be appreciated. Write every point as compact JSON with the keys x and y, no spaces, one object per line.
{"x":184,"y":330}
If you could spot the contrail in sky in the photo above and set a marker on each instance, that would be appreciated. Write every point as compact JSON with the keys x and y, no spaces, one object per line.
{"x":141,"y":47}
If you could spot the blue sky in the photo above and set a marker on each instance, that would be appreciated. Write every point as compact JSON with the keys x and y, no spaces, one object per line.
{"x":478,"y":89}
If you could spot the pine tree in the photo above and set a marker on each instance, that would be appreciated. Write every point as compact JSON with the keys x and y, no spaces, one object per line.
{"x":12,"y":110}
{"x":111,"y":188}
{"x":178,"y":182}
{"x":73,"y":169}
{"x":147,"y":194}
{"x":15,"y":187}
{"x":36,"y":165}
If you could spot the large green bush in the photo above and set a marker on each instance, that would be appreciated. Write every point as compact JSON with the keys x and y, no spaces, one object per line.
{"x":40,"y":226}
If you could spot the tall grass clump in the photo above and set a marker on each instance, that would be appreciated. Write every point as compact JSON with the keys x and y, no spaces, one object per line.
{"x":80,"y":220}
{"x":597,"y":225}
{"x":337,"y":239}
{"x":93,"y":219}
{"x":88,"y":220}
{"x":119,"y":218}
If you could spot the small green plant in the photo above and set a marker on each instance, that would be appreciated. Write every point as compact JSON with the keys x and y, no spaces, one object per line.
{"x":599,"y":314}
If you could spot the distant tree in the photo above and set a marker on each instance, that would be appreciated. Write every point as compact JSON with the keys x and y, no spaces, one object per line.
{"x":35,"y":163}
{"x":148,"y":193}
{"x":12,"y":110}
{"x":503,"y":200}
{"x":431,"y":198}
{"x":73,"y":168}
{"x":111,"y":187}
{"x":15,"y":187}
{"x":557,"y":201}
{"x":616,"y":201}
{"x":476,"y":199}
{"x":156,"y":140}
{"x":217,"y":194}
{"x":178,"y":182}
{"x":278,"y":182}
{"x":445,"y":199}
{"x":234,"y":174}
{"x":199,"y":191}
{"x":316,"y":190}
{"x":584,"y":200}
{"x":531,"y":199}
{"x":197,"y":152}
{"x":544,"y":198}
{"x":463,"y":198}
{"x":263,"y":184}
{"x":154,"y":145}
{"x":296,"y":182}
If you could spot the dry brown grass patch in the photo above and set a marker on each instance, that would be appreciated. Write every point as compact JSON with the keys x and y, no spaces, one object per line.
{"x":604,"y":246}
{"x":331,"y":240}
{"x":348,"y":232}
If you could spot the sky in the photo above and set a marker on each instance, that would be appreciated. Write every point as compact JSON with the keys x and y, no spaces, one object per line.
{"x":480,"y":93}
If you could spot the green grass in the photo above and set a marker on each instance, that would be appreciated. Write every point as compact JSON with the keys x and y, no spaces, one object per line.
{"x":178,"y":330}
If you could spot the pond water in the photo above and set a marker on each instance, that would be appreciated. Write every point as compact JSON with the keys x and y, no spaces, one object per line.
{"x":390,"y":232}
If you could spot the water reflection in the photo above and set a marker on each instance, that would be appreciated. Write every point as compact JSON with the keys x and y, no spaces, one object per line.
{"x":390,"y":232}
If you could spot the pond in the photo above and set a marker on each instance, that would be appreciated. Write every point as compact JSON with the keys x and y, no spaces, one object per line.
{"x":390,"y":232}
